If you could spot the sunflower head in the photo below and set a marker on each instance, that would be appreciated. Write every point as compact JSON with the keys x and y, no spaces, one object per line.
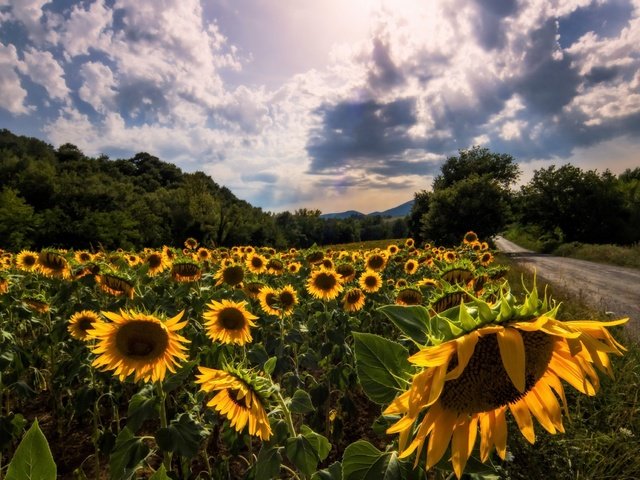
{"x":81,"y":322}
{"x":139,"y":344}
{"x":411,"y":266}
{"x":370,"y":281}
{"x":37,"y":302}
{"x":116,"y":283}
{"x":185,"y":270}
{"x":27,"y":261}
{"x":269,"y":302}
{"x":4,"y":285}
{"x":482,"y":360}
{"x":409,"y":242}
{"x":229,"y":322}
{"x":294,"y":267}
{"x":376,"y":262}
{"x":346,"y":271}
{"x":156,"y":262}
{"x":52,"y":263}
{"x":241,"y":396}
{"x":82,"y":256}
{"x":232,"y":275}
{"x":324,"y":284}
{"x":256,"y":263}
{"x":458,"y":273}
{"x":470,"y":237}
{"x":409,"y":296}
{"x":314,"y":257}
{"x":252,"y":289}
{"x":392,"y":249}
{"x":353,"y":300}
{"x":288,"y":298}
{"x":191,"y":243}
{"x":275,"y":266}
{"x":485,"y":259}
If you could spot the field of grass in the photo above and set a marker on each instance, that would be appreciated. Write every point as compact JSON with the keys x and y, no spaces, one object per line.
{"x":624,"y":256}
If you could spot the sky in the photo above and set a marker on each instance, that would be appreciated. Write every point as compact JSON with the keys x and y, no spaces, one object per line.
{"x":331,"y":105}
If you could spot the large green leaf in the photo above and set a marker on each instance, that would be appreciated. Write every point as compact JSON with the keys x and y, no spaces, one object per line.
{"x":301,"y":402}
{"x":127,"y":456}
{"x":363,"y":461}
{"x":160,"y":474}
{"x":307,"y":449}
{"x":268,"y":464}
{"x":332,"y":472}
{"x":412,"y":320}
{"x":381,"y":366}
{"x":33,"y":459}
{"x":142,"y":406}
{"x":182,"y":436}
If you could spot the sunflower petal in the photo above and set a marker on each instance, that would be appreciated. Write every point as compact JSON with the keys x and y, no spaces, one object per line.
{"x":512,"y":353}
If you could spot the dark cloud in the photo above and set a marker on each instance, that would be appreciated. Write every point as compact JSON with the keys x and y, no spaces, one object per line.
{"x":352,"y":133}
{"x":547,"y":84}
{"x":602,"y":74}
{"x":488,"y":22}
{"x":141,"y":101}
{"x":385,"y":74}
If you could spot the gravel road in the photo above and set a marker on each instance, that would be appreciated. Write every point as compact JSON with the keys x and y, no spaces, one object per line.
{"x":605,"y":287}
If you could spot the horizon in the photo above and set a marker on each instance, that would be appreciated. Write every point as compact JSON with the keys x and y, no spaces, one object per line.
{"x":359,"y":115}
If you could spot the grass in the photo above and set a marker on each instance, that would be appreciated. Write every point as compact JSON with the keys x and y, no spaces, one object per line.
{"x":624,"y":256}
{"x":367,"y":245}
{"x":602,"y":435}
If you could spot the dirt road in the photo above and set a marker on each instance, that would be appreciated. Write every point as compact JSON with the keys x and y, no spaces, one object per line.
{"x":605,"y":287}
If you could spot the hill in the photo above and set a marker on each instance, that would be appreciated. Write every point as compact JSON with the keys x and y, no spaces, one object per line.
{"x":399,"y":211}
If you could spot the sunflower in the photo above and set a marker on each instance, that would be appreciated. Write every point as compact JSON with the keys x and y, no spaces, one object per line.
{"x":115,"y":284}
{"x":400,"y":283}
{"x":185,"y":270}
{"x":486,"y":259}
{"x":315,"y":257}
{"x":275,"y":266}
{"x":231,"y":275}
{"x":510,"y":357}
{"x":376,"y":262}
{"x":140,"y":344}
{"x":256,"y":263}
{"x":252,"y":289}
{"x":37,"y":303}
{"x":409,"y":242}
{"x":450,"y":256}
{"x":294,"y":267}
{"x":82,"y":256}
{"x":288,"y":298}
{"x":53,"y":264}
{"x":353,"y":300}
{"x":268,"y":298}
{"x":370,"y":281}
{"x":191,"y":243}
{"x":324,"y":284}
{"x":229,"y":322}
{"x":27,"y":261}
{"x":392,"y":249}
{"x":327,"y":263}
{"x":409,"y":296}
{"x":470,"y":237}
{"x":157,"y":263}
{"x":203,"y":254}
{"x":346,"y":272}
{"x":4,"y":285}
{"x":411,"y":266}
{"x":237,"y":399}
{"x":81,"y":322}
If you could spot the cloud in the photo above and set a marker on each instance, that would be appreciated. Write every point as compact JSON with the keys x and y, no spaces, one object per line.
{"x":13,"y":95}
{"x":45,"y":70}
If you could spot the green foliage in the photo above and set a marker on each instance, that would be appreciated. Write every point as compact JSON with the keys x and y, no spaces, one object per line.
{"x":17,"y":220}
{"x":32,"y":460}
{"x":363,"y":461}
{"x":127,"y":456}
{"x":307,"y":449}
{"x":382,"y":366}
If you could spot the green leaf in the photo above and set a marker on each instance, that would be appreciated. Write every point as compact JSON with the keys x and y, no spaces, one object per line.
{"x":182,"y":436}
{"x":270,"y":365}
{"x":307,"y":449}
{"x":301,"y":402}
{"x":412,"y":320}
{"x":127,"y":456}
{"x":333,"y":472}
{"x":142,"y":406}
{"x":160,"y":474}
{"x":179,"y":378}
{"x":268,"y":465}
{"x":363,"y":461}
{"x":381,"y":365}
{"x":32,"y":459}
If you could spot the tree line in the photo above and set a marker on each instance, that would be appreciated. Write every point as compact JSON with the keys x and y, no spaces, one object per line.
{"x":475,"y":191}
{"x":61,"y":197}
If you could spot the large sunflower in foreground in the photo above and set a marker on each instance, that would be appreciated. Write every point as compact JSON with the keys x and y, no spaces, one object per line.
{"x":509,"y":357}
{"x":229,"y":322}
{"x":324,"y":284}
{"x":238,"y":399}
{"x":139,"y":344}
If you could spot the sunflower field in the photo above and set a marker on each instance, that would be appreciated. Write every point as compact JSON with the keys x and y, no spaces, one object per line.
{"x":393,"y":362}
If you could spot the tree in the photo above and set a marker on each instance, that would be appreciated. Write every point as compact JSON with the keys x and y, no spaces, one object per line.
{"x":585,"y":206}
{"x":17,"y":221}
{"x":498,"y":167}
{"x":472,"y":193}
{"x":469,"y":204}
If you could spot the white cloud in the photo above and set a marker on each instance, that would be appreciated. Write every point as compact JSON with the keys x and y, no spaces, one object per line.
{"x":86,"y":28}
{"x":13,"y":95}
{"x":44,"y":70}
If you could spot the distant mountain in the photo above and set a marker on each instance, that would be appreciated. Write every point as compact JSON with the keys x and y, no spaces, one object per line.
{"x":399,"y":211}
{"x":342,"y":215}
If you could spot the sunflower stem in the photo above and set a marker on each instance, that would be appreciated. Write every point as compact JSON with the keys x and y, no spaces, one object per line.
{"x":291,"y":471}
{"x":166,"y":456}
{"x":287,"y":414}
